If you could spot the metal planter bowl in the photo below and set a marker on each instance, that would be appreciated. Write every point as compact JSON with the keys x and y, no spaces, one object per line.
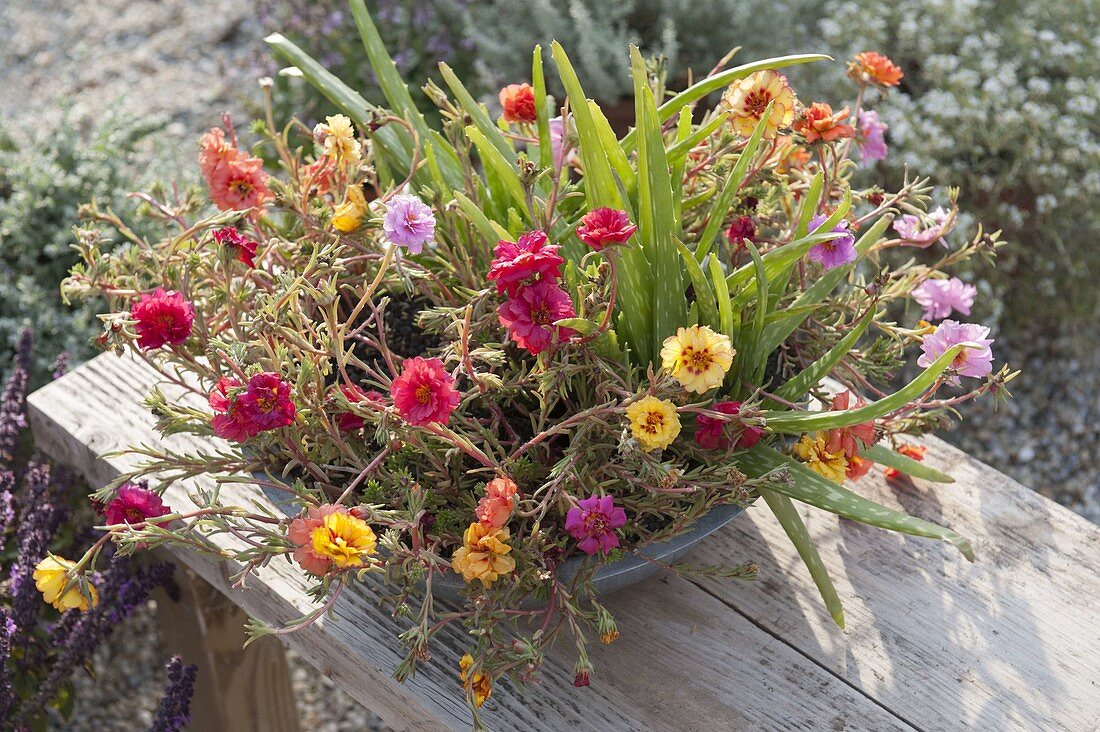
{"x":610,"y":577}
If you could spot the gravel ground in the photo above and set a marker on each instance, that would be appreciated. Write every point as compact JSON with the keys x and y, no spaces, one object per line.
{"x":189,"y":60}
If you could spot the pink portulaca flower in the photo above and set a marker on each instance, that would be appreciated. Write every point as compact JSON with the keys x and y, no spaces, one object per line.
{"x":524,"y":260}
{"x":237,"y":180}
{"x":872,"y":136}
{"x":940,"y":298}
{"x":711,"y":433}
{"x":409,"y":222}
{"x":244,"y":247}
{"x":911,"y":229}
{"x":604,"y":226}
{"x":135,"y":504}
{"x":530,"y":314}
{"x":424,"y":392}
{"x":557,"y":141}
{"x":244,"y":411}
{"x":593,"y":521}
{"x":300,"y":534}
{"x":835,"y":252}
{"x":162,"y":318}
{"x":976,"y":362}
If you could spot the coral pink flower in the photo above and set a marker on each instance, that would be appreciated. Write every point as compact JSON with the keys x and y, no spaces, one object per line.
{"x":319,"y":176}
{"x":495,"y":507}
{"x":820,"y":123}
{"x":522,"y":260}
{"x":593,"y":521}
{"x":976,"y":362}
{"x":940,"y":298}
{"x":244,"y":247}
{"x":349,"y":421}
{"x":424,"y":392}
{"x":240,"y":413}
{"x":300,"y":534}
{"x":844,"y":439}
{"x":857,"y":467}
{"x":711,"y":434}
{"x":603,"y":226}
{"x":162,"y":318}
{"x":530,"y":314}
{"x":134,"y":504}
{"x":518,"y":101}
{"x":237,"y":180}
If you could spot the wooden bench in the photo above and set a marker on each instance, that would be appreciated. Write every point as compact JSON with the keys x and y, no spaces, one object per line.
{"x":933,"y":642}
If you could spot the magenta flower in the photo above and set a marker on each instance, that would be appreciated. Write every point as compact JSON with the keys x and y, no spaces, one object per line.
{"x":134,"y":504}
{"x":529,"y":315}
{"x":524,"y":260}
{"x":408,"y":222}
{"x":602,"y":227}
{"x":162,"y":318}
{"x":424,"y":392}
{"x":872,"y":136}
{"x":910,"y":228}
{"x":593,"y":521}
{"x":835,"y":252}
{"x":976,"y":362}
{"x":940,"y":298}
{"x":237,"y":242}
{"x":711,"y":433}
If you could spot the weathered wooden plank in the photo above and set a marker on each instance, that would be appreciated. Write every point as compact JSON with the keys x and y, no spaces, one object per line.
{"x":1009,"y":642}
{"x":685,"y":661}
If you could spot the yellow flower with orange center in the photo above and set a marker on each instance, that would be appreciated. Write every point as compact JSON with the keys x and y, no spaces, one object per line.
{"x":698,"y":357}
{"x":653,"y":422}
{"x":345,"y":539}
{"x":340,"y":144}
{"x":480,"y":683}
{"x":747,"y":99}
{"x":872,"y":67}
{"x":51,"y":576}
{"x":483,"y":554}
{"x":348,"y":216}
{"x":811,"y":450}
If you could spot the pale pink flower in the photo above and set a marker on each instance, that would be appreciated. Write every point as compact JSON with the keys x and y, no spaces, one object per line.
{"x":940,"y":298}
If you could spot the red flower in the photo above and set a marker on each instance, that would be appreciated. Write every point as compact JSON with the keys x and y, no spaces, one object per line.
{"x":518,"y":101}
{"x":241,"y":413}
{"x":843,"y":439}
{"x":603,"y":226}
{"x":741,"y":229}
{"x":857,"y":467}
{"x":245,"y":248}
{"x":349,"y":421}
{"x":912,"y":451}
{"x":134,"y":504}
{"x":525,"y":259}
{"x":710,"y":432}
{"x":820,"y":123}
{"x":530,"y":314}
{"x":424,"y":392}
{"x":162,"y":318}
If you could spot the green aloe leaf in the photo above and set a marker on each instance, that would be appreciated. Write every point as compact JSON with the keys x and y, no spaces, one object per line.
{"x":678,"y":152}
{"x":704,"y":293}
{"x":792,"y":422}
{"x":885,"y":456}
{"x":477,"y":113}
{"x":491,"y":230}
{"x":819,"y":369}
{"x":721,"y":80}
{"x":542,"y":118}
{"x":795,"y":529}
{"x":505,"y":170}
{"x":810,"y":488}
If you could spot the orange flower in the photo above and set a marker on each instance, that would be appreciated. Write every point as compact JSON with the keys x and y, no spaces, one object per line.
{"x":495,"y":508}
{"x":483,"y":555}
{"x":792,"y":156}
{"x":912,"y":451}
{"x":518,"y":101}
{"x":857,"y":467}
{"x":820,"y":123}
{"x":871,"y":67}
{"x":237,"y":180}
{"x":479,"y":683}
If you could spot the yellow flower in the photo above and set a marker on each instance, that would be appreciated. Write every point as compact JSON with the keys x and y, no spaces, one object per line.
{"x":339,"y":139}
{"x":747,"y":98}
{"x":654,"y":422}
{"x":345,"y":539}
{"x":810,"y":449}
{"x":480,"y":683}
{"x":50,"y":577}
{"x":348,"y":216}
{"x":698,"y":357}
{"x":484,"y":554}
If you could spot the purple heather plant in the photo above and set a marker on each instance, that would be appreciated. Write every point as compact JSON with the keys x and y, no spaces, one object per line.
{"x":175,"y":706}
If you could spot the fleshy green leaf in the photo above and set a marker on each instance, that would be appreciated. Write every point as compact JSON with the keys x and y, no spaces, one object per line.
{"x":885,"y":456}
{"x":810,"y":488}
{"x":819,"y":369}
